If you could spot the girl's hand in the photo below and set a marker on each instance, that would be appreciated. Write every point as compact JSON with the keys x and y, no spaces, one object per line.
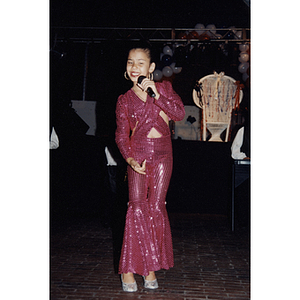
{"x":149,"y":83}
{"x":141,"y":169}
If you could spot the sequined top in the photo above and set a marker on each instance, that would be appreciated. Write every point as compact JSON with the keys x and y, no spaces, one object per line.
{"x":136,"y":117}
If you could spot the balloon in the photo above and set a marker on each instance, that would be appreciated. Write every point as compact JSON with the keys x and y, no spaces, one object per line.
{"x":200,"y":28}
{"x":239,"y":35}
{"x":175,"y":69}
{"x":245,"y":76}
{"x":166,"y":59}
{"x":167,"y":71}
{"x":244,"y":57}
{"x":243,"y":67}
{"x":168,"y":50}
{"x":212,"y":29}
{"x":157,"y":75}
{"x":243,"y":47}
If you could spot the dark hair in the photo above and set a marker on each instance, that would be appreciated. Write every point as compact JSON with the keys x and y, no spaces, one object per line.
{"x":146,"y":47}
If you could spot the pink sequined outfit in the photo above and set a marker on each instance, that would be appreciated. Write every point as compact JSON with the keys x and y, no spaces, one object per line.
{"x":147,"y":243}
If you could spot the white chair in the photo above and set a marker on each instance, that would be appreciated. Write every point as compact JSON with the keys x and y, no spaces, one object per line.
{"x":216,"y":95}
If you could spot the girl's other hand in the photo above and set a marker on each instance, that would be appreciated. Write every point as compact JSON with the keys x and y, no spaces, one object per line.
{"x":141,"y":169}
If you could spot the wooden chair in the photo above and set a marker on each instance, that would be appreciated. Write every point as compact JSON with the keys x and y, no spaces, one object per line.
{"x":216,"y":95}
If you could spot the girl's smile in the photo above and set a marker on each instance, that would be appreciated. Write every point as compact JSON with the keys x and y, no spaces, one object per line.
{"x":138,"y":63}
{"x":134,"y":74}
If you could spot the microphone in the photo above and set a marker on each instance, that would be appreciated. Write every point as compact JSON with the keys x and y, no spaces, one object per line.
{"x":149,"y":90}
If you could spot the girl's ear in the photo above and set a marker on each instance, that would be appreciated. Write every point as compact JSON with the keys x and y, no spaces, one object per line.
{"x":152,"y":67}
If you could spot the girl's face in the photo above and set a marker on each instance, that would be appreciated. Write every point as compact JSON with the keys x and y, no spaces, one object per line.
{"x":138,"y":63}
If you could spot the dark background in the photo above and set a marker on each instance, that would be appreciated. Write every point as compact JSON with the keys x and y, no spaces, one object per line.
{"x":151,"y":13}
{"x":79,"y":184}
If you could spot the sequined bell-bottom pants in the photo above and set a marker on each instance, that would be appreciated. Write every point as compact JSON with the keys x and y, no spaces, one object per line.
{"x":147,"y":243}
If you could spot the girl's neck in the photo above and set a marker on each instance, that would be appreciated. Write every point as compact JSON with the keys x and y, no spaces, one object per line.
{"x":141,"y":94}
{"x":136,"y":89}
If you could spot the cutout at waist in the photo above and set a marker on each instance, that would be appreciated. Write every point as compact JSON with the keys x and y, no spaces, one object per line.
{"x":154,"y":134}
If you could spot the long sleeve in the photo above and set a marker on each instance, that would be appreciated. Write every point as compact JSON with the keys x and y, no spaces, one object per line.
{"x":237,"y":144}
{"x":122,"y":136}
{"x":170,"y":102}
{"x":135,"y":115}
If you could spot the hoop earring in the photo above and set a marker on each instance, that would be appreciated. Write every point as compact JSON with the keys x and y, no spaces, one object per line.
{"x":151,"y":76}
{"x":126,"y":76}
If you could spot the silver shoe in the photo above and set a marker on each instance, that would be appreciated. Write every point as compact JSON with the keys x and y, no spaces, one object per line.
{"x":128,"y":287}
{"x":150,"y":284}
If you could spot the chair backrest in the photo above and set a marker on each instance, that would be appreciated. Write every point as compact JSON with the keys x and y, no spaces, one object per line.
{"x":217,"y":97}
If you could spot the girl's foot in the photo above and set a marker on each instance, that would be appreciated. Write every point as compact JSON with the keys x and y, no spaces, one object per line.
{"x":150,"y":281}
{"x":128,"y":278}
{"x":151,"y":276}
{"x":128,"y":282}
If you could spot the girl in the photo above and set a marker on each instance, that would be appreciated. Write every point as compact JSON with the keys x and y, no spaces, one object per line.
{"x":144,"y":140}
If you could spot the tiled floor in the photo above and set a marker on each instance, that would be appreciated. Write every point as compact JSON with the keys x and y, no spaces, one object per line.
{"x":211,"y":262}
